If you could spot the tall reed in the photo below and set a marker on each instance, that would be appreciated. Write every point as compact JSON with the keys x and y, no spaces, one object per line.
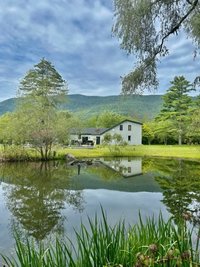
{"x":153,"y":243}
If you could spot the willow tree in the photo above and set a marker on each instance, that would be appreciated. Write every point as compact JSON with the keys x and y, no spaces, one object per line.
{"x":144,"y":27}
{"x":40,"y":91}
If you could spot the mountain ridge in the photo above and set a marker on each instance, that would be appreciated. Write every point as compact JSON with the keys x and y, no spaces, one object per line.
{"x":139,"y":106}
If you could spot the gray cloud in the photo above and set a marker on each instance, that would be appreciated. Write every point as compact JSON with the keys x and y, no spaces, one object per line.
{"x":76,"y":37}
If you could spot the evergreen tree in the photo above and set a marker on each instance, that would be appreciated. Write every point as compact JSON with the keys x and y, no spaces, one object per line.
{"x":176,"y":106}
{"x":43,"y":83}
{"x":41,"y":90}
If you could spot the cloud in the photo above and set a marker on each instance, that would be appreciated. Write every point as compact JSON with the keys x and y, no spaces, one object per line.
{"x":76,"y":37}
{"x":180,"y":62}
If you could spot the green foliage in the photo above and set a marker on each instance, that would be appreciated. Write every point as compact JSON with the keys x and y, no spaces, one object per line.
{"x":86,"y":107}
{"x":176,"y":107}
{"x":44,"y":82}
{"x":39,"y":188}
{"x":164,"y":131}
{"x":114,"y":143}
{"x":107,"y":139}
{"x":41,"y":90}
{"x":106,"y":119}
{"x":154,"y":243}
{"x":143,"y":28}
{"x":148,"y":132}
{"x":193,"y":132}
{"x":6,"y":129}
{"x":179,"y":181}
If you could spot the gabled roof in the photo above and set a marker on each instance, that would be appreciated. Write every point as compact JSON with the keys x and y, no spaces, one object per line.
{"x":108,"y":129}
{"x":90,"y":131}
{"x":99,"y":131}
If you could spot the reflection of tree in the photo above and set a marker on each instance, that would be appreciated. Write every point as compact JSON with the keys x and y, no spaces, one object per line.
{"x":180,"y":181}
{"x":37,"y":195}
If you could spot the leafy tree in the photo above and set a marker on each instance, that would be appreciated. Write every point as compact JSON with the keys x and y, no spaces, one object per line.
{"x":6,"y":129}
{"x":107,"y":139}
{"x":41,"y":91}
{"x":193,"y":130}
{"x":148,"y":132}
{"x":115,"y":139}
{"x":114,"y":142}
{"x":176,"y":106}
{"x":65,"y":122}
{"x":164,"y":130}
{"x":144,"y":27}
{"x":106,"y":119}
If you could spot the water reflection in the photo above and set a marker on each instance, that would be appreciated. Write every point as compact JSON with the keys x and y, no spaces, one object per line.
{"x":46,"y":198}
{"x":127,"y":167}
{"x":36,"y":196}
{"x":180,"y":182}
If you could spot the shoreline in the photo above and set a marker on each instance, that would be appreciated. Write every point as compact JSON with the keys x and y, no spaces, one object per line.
{"x":187,"y":152}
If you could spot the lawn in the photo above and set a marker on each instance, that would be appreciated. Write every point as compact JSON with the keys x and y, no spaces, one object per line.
{"x":173,"y":151}
{"x":185,"y":151}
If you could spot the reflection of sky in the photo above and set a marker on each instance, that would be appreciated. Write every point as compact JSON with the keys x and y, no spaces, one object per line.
{"x":117,"y":205}
{"x":5,"y":236}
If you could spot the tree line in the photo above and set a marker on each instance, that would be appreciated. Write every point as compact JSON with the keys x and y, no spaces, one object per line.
{"x":178,"y":121}
{"x":40,"y":123}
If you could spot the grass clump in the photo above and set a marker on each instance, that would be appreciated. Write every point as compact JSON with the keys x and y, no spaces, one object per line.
{"x":153,"y":243}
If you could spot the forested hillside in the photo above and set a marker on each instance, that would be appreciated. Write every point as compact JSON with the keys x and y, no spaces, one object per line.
{"x":140,"y":107}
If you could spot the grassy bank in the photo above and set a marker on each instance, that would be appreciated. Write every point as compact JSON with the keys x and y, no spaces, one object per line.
{"x":153,"y":243}
{"x":188,"y":152}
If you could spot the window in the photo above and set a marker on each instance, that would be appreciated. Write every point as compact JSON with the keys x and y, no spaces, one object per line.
{"x":129,"y":169}
{"x":129,"y":127}
{"x":121,"y":127}
{"x":129,"y":137}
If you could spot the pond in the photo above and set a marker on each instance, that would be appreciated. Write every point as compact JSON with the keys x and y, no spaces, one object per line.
{"x":51,"y":199}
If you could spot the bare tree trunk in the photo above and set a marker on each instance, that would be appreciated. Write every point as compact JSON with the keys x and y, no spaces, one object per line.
{"x":180,"y":139}
{"x":46,"y":152}
{"x":42,"y":153}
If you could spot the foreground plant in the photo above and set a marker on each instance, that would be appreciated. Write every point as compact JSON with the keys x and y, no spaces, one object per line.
{"x":153,"y":243}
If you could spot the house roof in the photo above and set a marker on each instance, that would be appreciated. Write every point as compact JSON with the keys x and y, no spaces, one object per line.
{"x":108,"y":129}
{"x":90,"y":131}
{"x":99,"y":131}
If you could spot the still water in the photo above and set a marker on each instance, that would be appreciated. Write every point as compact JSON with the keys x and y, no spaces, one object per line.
{"x":44,"y":200}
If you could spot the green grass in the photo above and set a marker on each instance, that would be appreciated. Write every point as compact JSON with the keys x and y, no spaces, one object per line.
{"x":153,"y":243}
{"x":173,"y":151}
{"x":187,"y":152}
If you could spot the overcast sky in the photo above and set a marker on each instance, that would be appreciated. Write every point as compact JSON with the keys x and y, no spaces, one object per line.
{"x":75,"y":35}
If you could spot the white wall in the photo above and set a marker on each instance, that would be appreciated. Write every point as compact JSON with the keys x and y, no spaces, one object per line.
{"x":126,"y":166}
{"x":135,"y":133}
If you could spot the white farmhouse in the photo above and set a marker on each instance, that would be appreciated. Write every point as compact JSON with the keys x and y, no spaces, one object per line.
{"x":131,"y":132}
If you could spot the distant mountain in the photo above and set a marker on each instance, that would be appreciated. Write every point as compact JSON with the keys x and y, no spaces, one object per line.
{"x":139,"y":107}
{"x":7,"y":105}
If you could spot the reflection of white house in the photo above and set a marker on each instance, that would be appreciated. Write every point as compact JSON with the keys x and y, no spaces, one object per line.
{"x":131,"y":132}
{"x":126,"y":166}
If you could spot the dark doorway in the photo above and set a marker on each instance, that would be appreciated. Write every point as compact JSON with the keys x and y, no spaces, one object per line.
{"x":84,"y":140}
{"x":98,"y":140}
